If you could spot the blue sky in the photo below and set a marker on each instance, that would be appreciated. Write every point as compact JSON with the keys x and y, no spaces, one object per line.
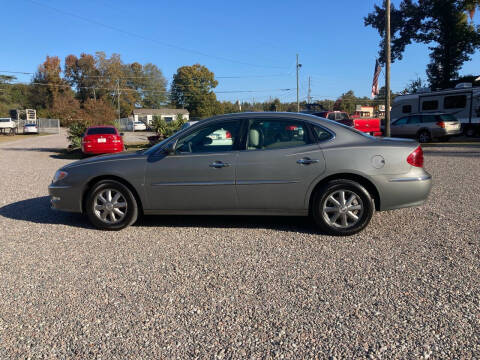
{"x":254,"y":41}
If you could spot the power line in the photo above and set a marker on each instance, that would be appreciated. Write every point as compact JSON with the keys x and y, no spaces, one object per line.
{"x":161,"y":43}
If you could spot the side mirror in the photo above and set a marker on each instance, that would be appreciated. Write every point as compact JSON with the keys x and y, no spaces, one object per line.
{"x":170,"y":148}
{"x":207,"y":141}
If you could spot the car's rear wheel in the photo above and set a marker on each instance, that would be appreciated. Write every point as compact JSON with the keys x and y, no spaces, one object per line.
{"x":342,"y":207}
{"x":424,"y":136}
{"x":111,"y":205}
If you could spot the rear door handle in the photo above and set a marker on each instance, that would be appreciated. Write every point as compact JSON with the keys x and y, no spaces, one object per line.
{"x":219,"y":164}
{"x":307,"y":161}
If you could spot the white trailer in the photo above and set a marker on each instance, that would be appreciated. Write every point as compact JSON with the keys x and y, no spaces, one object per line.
{"x":463,"y":102}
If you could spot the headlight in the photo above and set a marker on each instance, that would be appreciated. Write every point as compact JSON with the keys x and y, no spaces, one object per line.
{"x":59,"y":175}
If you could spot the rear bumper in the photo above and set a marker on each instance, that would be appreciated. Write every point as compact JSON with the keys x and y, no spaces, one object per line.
{"x":65,"y":198}
{"x":404,"y":191}
{"x":97,"y":151}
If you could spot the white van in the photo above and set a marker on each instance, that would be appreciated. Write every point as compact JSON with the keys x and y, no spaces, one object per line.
{"x":463,"y":102}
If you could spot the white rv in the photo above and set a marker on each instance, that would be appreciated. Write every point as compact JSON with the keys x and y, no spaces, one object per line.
{"x":463,"y":102}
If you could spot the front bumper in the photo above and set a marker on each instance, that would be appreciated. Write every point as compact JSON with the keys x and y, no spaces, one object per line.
{"x":65,"y":198}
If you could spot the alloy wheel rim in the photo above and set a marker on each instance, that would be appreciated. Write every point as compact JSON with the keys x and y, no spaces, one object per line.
{"x":110,"y":206}
{"x":424,"y":137}
{"x":342,"y":209}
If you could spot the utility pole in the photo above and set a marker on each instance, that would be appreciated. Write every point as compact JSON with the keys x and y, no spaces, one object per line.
{"x":118,"y":98}
{"x":387,"y":68}
{"x":309,"y":98}
{"x":298,"y":102}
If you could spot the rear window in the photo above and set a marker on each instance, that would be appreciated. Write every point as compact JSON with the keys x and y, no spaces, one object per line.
{"x":101,"y":131}
{"x":447,"y":117}
{"x":4,"y":120}
{"x":30,"y":125}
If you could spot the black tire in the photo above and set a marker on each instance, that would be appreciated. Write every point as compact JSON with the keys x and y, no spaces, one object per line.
{"x":321,"y":199}
{"x":424,"y":136}
{"x":130,"y":210}
{"x":469,"y":131}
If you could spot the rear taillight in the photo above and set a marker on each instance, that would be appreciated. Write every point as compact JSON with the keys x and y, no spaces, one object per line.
{"x":228,"y":135}
{"x":441,"y":124}
{"x":117,"y":139}
{"x":416,"y":157}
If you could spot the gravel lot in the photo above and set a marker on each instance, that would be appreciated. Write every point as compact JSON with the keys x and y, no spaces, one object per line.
{"x":236,"y":287}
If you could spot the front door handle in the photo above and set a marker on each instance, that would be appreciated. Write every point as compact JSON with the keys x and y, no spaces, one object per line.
{"x":307,"y":161}
{"x":219,"y":164}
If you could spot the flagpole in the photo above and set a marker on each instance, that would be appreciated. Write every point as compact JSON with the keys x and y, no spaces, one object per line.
{"x":387,"y":68}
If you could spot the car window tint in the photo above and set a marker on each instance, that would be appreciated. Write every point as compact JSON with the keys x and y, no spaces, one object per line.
{"x":429,"y":119}
{"x":331,"y":116}
{"x":447,"y":117}
{"x":217,"y":137}
{"x":406,"y":109}
{"x":321,"y":133}
{"x":342,"y":116}
{"x":401,"y":121}
{"x":101,"y":131}
{"x":415,"y":119}
{"x":274,"y":134}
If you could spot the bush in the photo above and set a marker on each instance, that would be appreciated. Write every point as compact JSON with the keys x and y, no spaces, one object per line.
{"x":75,"y":133}
{"x":164,"y":129}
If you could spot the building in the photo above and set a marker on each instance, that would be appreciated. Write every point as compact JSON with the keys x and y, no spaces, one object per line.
{"x":148,"y":115}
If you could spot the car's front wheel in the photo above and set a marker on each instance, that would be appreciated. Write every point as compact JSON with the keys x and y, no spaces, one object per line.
{"x":111,"y":205}
{"x":342,"y":207}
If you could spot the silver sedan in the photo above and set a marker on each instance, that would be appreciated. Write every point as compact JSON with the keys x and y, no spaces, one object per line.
{"x":266,"y":164}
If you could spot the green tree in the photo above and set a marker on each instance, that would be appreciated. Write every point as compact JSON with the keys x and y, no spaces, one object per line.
{"x":442,"y":24}
{"x":47,"y":83}
{"x":192,"y":88}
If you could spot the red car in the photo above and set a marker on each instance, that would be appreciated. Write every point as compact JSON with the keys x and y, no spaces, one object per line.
{"x":102,"y":140}
{"x":366,"y":125}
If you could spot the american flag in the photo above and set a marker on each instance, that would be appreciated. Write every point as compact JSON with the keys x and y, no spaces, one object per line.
{"x":376,"y":74}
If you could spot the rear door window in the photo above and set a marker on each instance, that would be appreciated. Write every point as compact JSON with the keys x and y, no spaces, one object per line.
{"x":415,"y":119}
{"x":321,"y":133}
{"x":276,"y":134}
{"x":429,"y":119}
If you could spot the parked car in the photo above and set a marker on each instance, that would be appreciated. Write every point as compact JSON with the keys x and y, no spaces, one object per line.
{"x":7,"y":125}
{"x":463,"y":102}
{"x":426,"y":127}
{"x":30,"y":128}
{"x":366,"y":125}
{"x":137,"y":126}
{"x":335,"y":173}
{"x":102,"y":140}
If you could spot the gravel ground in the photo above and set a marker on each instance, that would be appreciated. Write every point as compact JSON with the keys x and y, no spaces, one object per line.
{"x":238,"y":287}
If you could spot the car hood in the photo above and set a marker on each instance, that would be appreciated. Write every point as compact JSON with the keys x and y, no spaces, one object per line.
{"x":107,"y":157}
